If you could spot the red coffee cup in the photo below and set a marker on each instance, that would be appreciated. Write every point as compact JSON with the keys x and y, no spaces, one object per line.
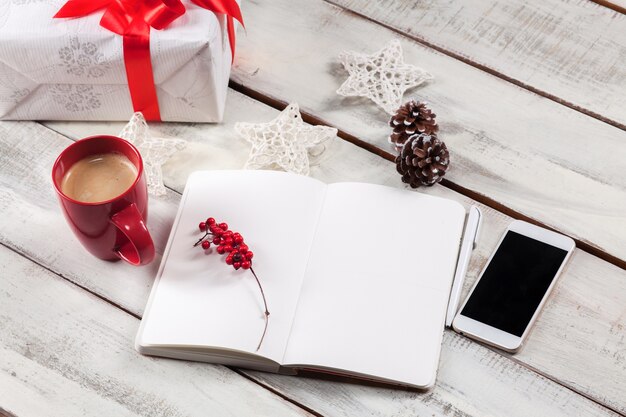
{"x":112,"y":229}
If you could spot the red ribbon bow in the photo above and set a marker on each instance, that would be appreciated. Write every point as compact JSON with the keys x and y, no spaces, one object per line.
{"x":132,"y":19}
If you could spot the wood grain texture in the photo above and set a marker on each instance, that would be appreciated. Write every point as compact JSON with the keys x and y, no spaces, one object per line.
{"x":519,"y":149}
{"x":64,"y":352}
{"x":572,"y":325}
{"x":571,"y":51}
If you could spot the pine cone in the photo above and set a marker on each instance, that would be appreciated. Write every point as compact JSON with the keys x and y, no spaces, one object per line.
{"x":412,"y":118}
{"x":423,"y":160}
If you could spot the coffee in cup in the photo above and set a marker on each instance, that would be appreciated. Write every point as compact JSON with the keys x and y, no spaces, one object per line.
{"x":99,"y":177}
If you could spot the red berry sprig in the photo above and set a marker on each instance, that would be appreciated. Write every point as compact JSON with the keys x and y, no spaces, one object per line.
{"x":238,"y":253}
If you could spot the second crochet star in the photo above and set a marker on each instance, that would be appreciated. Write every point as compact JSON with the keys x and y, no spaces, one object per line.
{"x":283,"y":143}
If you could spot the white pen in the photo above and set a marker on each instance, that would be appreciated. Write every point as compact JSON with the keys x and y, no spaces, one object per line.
{"x":470,"y":235}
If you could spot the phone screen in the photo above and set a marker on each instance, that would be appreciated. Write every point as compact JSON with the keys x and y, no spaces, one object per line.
{"x":514,"y":283}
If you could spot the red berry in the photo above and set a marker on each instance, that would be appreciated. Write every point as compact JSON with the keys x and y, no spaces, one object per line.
{"x":206,"y":244}
{"x":210,"y":221}
{"x":217,"y":240}
{"x":202,"y":226}
{"x":237,"y":265}
{"x":237,"y":239}
{"x":224,"y":226}
{"x":229,"y":260}
{"x":228,"y":248}
{"x":228,"y":240}
{"x":246,"y":264}
{"x":249,"y":255}
{"x":221,"y":249}
{"x":228,"y":233}
{"x":243,"y":247}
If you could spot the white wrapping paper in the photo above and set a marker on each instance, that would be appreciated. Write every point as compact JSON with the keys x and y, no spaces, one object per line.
{"x":73,"y":69}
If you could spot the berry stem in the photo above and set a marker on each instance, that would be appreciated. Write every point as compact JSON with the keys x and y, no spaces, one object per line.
{"x":202,"y":238}
{"x":267,"y":313}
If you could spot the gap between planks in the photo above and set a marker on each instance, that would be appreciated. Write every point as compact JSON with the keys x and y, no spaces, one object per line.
{"x":490,"y":70}
{"x":286,"y":398}
{"x":474,"y":195}
{"x":279,"y":105}
{"x":4,"y":413}
{"x":608,"y":4}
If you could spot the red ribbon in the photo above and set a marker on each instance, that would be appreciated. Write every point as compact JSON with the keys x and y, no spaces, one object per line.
{"x":132,"y":19}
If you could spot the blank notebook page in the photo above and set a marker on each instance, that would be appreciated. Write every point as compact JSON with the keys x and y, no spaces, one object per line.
{"x":375,"y":292}
{"x":199,"y":300}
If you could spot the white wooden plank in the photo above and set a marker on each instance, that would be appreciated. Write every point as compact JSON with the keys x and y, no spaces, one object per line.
{"x":570,"y":50}
{"x":571,"y":326}
{"x":64,"y":352}
{"x":526,"y":152}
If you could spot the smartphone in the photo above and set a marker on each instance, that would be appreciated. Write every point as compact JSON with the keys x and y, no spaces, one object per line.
{"x":507,"y":297}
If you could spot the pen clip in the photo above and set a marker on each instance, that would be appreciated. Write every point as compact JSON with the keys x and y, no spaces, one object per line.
{"x":478,"y":223}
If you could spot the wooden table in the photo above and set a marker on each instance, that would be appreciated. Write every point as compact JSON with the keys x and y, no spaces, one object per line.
{"x":531,"y":99}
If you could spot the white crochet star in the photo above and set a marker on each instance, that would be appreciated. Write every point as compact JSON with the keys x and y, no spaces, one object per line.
{"x":383,"y":77}
{"x":283,"y":143}
{"x":154,"y":151}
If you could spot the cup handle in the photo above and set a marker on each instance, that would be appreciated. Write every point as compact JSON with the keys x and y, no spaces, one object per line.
{"x":138,"y":248}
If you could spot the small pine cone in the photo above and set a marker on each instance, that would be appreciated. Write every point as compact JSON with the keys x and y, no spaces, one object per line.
{"x":423,"y":160}
{"x":412,"y":118}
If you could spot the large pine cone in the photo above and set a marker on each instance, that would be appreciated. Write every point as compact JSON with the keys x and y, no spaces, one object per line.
{"x":423,"y":160}
{"x":412,"y":118}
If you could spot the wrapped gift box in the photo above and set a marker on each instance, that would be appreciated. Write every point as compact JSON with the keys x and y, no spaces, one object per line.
{"x":73,"y":69}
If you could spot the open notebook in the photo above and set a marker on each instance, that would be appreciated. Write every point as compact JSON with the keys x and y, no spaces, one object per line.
{"x":357,"y":278}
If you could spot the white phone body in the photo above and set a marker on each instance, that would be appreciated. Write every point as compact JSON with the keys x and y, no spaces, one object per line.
{"x":495,"y":336}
